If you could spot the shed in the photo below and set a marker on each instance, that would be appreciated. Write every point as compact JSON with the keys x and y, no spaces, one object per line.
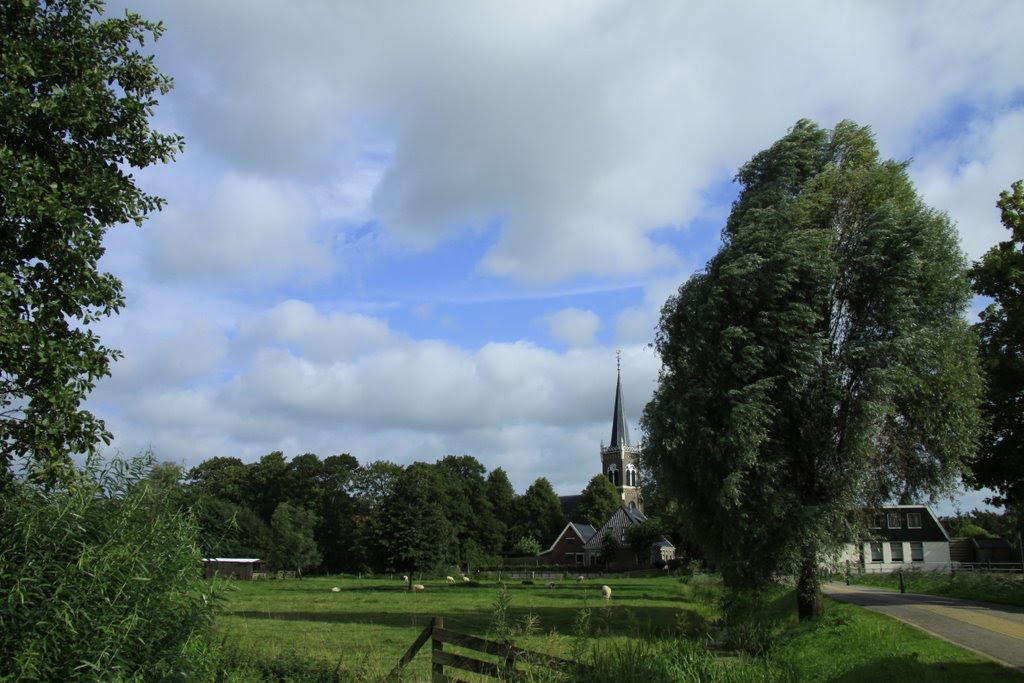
{"x":233,"y":567}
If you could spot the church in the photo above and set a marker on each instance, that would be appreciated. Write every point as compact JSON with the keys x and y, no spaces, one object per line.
{"x":580,"y":544}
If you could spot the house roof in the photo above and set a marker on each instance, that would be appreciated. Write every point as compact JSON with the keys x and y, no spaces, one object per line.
{"x":622,"y":519}
{"x":930,"y":530}
{"x":582,"y":530}
{"x":232,"y":560}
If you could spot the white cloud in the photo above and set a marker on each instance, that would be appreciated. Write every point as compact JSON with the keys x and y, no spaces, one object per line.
{"x":563,"y":138}
{"x":965,"y":177}
{"x":246,"y":229}
{"x":573,"y":327}
{"x":579,"y":128}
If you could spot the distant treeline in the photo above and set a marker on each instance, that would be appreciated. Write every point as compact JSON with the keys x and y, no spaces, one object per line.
{"x":337,"y":516}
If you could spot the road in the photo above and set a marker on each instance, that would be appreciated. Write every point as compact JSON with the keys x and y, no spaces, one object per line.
{"x":993,"y":631}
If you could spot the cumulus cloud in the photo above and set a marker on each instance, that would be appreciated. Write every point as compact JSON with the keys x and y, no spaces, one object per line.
{"x":579,"y":129}
{"x":573,"y":327}
{"x":578,"y":143}
{"x":248,"y":229}
{"x":965,"y":176}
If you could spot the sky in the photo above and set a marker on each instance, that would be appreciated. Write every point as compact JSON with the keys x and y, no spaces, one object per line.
{"x":403,"y":230}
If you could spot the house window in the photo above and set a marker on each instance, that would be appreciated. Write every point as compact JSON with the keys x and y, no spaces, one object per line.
{"x":579,"y":559}
{"x":896,"y":551}
{"x":876,"y":521}
{"x":876,"y":552}
{"x":916,"y":551}
{"x":892,"y":520}
{"x":913,"y":520}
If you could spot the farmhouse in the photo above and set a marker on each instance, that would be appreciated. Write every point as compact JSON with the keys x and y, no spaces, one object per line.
{"x":568,"y":550}
{"x":900,"y":537}
{"x":626,"y":558}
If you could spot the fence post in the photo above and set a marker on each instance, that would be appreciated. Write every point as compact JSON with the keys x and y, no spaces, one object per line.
{"x":436,"y":667}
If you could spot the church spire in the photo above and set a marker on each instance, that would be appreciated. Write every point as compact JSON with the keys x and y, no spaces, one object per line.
{"x":620,"y":460}
{"x":620,"y":431}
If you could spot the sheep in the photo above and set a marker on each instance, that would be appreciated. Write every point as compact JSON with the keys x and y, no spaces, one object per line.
{"x":335,"y":590}
{"x":551,"y":584}
{"x":606,"y":592}
{"x":405,"y":579}
{"x":580,"y":578}
{"x":418,"y":587}
{"x":449,"y":579}
{"x":465,"y":579}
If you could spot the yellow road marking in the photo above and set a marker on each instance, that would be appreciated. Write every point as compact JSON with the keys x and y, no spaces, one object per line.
{"x":979,"y":619}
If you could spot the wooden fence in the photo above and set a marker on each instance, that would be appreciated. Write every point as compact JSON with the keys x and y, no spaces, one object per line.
{"x":511,"y":659}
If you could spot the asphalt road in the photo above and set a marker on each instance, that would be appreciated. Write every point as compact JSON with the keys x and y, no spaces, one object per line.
{"x":993,"y":631}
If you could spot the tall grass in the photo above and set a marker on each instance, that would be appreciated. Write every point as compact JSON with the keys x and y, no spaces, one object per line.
{"x":1004,"y":589}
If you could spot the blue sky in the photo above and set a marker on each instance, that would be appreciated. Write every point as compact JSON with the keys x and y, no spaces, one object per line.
{"x":403,"y":230}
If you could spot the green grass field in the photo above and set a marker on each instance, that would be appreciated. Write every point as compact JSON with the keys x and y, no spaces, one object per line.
{"x":300,"y":630}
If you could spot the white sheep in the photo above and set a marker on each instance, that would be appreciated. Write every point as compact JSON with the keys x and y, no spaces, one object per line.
{"x":449,"y":579}
{"x":418,"y":587}
{"x":335,"y":590}
{"x":580,"y":578}
{"x":405,"y":579}
{"x":606,"y":591}
{"x":465,"y":579}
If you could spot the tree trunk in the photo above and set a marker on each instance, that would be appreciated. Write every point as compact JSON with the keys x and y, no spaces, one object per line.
{"x":809,"y":603}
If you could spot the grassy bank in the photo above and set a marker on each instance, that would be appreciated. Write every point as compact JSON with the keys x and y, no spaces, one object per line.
{"x":651,"y":629}
{"x":1003,"y":589}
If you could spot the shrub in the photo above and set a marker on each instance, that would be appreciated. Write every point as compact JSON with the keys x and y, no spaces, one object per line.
{"x":101,"y":581}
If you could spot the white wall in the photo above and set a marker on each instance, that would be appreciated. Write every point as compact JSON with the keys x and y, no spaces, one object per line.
{"x":936,"y":558}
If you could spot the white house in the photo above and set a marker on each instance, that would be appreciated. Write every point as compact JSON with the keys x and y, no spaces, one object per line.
{"x":899,"y":537}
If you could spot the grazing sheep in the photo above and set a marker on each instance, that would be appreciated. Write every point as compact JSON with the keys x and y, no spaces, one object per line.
{"x":335,"y":590}
{"x":449,"y":579}
{"x":418,"y":587}
{"x":405,"y":579}
{"x":606,"y":592}
{"x":465,"y":579}
{"x":551,"y":584}
{"x":580,"y":578}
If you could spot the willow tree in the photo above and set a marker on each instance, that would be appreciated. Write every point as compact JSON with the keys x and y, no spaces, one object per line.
{"x":819,"y":364}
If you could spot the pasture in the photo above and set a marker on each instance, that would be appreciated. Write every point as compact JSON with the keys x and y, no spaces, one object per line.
{"x":366,"y":626}
{"x":300,"y":630}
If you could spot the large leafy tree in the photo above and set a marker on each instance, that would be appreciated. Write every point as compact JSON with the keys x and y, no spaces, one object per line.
{"x":76,"y":97}
{"x":414,"y":530}
{"x":1000,"y":276}
{"x":538,"y":513}
{"x":292,"y":542}
{"x":820,"y":363}
{"x":599,"y":501}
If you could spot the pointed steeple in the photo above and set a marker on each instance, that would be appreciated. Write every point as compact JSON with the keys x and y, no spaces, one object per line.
{"x":620,"y":430}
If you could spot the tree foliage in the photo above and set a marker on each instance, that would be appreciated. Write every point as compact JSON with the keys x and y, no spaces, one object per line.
{"x":539,"y":513}
{"x":292,"y":544}
{"x":76,"y":96}
{"x":599,"y":501}
{"x":414,"y":530}
{"x":819,"y":363}
{"x":1000,"y":275}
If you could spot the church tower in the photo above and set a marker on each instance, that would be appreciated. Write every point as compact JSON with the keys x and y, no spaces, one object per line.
{"x":619,"y":460}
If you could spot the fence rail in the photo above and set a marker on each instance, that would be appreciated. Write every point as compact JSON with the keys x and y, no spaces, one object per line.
{"x":511,"y":658}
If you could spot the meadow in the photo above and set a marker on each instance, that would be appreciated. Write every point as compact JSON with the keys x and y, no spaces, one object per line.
{"x":663,"y":628}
